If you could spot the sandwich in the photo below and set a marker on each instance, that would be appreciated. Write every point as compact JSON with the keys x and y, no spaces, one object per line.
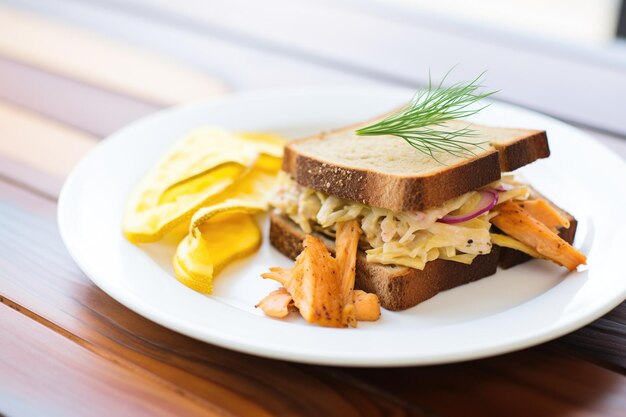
{"x":431,"y":218}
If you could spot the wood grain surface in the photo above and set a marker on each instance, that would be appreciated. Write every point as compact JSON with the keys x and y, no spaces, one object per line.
{"x":40,"y":280}
{"x":393,"y":43}
{"x":38,"y":152}
{"x":45,"y":374}
{"x":99,"y":61}
{"x":81,"y":106}
{"x":534,"y":382}
{"x":68,"y":349}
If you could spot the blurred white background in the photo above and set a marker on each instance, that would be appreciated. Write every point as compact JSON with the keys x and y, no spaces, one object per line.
{"x":592,"y":22}
{"x":560,"y":57}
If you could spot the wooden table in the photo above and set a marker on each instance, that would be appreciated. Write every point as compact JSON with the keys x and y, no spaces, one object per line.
{"x":67,"y":79}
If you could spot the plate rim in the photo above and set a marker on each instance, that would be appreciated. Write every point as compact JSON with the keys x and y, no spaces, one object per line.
{"x":146,"y":310}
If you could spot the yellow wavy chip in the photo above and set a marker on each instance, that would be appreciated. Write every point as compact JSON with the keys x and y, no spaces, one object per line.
{"x":201,"y":182}
{"x":193,"y":265}
{"x":267,"y":143}
{"x":223,"y":231}
{"x":147,"y":218}
{"x":268,"y":163}
{"x":203,"y":216}
{"x":200,"y":151}
{"x":215,"y":180}
{"x":197,"y":167}
{"x":222,"y":234}
{"x":270,"y":147}
{"x":253,"y":191}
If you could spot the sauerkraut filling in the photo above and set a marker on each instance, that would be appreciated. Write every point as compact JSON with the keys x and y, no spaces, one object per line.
{"x":401,"y":238}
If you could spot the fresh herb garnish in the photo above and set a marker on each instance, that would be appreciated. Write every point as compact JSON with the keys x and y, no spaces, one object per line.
{"x":421,"y":122}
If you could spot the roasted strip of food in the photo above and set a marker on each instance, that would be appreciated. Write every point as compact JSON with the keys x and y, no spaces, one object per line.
{"x":518,"y":223}
{"x":277,"y":303}
{"x":347,"y":242}
{"x":315,"y":285}
{"x":544,"y":212}
{"x":322,"y":287}
{"x":366,"y":306}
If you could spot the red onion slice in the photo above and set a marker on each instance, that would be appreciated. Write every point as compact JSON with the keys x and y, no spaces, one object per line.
{"x":488,"y":200}
{"x":504,"y":187}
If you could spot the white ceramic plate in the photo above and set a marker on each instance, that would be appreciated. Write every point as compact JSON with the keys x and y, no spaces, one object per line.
{"x":517,"y":308}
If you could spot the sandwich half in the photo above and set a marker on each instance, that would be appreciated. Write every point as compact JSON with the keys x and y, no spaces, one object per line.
{"x":429,"y":224}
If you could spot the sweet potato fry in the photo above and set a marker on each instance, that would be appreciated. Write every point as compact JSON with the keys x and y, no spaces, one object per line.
{"x":366,"y":306}
{"x":544,"y":212}
{"x":346,"y":246}
{"x":322,"y":287}
{"x":277,"y":303}
{"x":519,"y":224}
{"x":315,"y":285}
{"x":282,"y":275}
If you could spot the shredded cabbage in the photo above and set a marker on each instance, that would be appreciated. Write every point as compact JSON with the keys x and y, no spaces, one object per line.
{"x":400,"y":238}
{"x":508,"y":242}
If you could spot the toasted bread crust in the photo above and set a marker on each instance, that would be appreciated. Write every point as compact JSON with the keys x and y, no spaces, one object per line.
{"x":517,"y":154}
{"x":395,"y":193}
{"x":397,"y":287}
{"x":408,"y":192}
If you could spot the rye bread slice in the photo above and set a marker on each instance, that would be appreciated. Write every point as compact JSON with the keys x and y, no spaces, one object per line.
{"x":385,"y":171}
{"x":397,"y":287}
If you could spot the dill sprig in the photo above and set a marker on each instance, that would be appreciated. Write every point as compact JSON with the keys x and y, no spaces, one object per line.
{"x":422,"y":122}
